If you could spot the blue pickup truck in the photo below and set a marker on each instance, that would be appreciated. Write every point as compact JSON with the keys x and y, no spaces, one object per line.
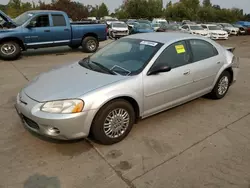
{"x":46,"y":28}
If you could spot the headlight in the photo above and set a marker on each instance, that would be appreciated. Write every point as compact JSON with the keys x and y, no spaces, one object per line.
{"x":63,"y":106}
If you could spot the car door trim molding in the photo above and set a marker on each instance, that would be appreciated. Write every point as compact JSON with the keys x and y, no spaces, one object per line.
{"x":38,"y":43}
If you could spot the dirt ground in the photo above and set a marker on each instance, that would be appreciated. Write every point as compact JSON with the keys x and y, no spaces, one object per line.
{"x":203,"y":143}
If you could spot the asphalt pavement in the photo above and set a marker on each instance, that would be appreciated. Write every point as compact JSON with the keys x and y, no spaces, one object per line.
{"x":204,"y":143}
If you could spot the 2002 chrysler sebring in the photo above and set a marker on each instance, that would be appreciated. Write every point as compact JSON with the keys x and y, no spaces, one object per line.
{"x":131,"y":78}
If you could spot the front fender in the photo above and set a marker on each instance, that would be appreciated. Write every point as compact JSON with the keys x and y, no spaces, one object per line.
{"x":131,"y":88}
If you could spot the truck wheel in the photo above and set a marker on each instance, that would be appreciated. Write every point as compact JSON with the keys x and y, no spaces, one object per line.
{"x":90,"y":44}
{"x":74,"y":46}
{"x":113,"y":122}
{"x":10,"y":50}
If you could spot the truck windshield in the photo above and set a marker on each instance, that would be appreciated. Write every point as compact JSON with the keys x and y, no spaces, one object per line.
{"x":21,"y":19}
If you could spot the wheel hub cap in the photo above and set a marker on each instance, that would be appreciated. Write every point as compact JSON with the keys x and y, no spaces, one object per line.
{"x":116,"y":123}
{"x":8,"y":49}
{"x":223,"y":85}
{"x":91,"y":45}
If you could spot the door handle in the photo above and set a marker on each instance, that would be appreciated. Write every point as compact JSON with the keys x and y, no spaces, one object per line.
{"x":66,"y":29}
{"x":46,"y":30}
{"x":186,"y":72}
{"x":218,"y":62}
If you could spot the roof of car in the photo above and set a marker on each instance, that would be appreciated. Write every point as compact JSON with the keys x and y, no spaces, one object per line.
{"x":163,"y":37}
{"x":209,"y":24}
{"x":41,"y":11}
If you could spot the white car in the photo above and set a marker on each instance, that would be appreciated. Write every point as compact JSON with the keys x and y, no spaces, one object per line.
{"x":230,"y":28}
{"x":156,"y":26}
{"x":159,"y":21}
{"x":118,"y":30}
{"x":195,"y":30}
{"x":215,"y":31}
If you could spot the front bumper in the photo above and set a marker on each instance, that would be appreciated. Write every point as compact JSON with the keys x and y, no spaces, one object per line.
{"x":233,"y":32}
{"x":58,"y":126}
{"x":217,"y":37}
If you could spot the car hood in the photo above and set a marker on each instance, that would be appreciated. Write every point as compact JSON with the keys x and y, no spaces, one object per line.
{"x":231,"y":28}
{"x":6,"y":18}
{"x":200,"y":31}
{"x":120,"y":28}
{"x":67,"y":82}
{"x":218,"y":31}
{"x":145,"y":30}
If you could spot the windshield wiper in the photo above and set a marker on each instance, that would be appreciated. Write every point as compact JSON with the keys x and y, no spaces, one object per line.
{"x":102,"y":67}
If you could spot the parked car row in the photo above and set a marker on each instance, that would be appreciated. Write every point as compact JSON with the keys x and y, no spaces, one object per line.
{"x":214,"y":31}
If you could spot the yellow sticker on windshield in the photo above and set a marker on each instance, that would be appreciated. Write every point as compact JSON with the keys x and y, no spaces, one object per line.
{"x":180,"y":49}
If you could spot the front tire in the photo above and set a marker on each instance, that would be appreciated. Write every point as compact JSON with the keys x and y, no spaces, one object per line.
{"x":221,"y":87}
{"x":113,"y":122}
{"x":10,"y":50}
{"x":90,"y":44}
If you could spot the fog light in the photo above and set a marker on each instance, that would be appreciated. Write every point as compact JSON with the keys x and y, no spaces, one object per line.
{"x":53,"y":131}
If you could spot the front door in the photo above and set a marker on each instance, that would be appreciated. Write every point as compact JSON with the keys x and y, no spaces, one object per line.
{"x":38,"y":34}
{"x":164,"y":90}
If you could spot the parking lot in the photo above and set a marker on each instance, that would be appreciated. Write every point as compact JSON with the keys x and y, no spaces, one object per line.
{"x":204,"y":143}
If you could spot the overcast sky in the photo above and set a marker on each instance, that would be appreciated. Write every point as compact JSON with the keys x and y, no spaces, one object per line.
{"x":112,"y":4}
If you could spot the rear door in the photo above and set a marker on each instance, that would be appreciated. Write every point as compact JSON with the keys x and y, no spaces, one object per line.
{"x":206,"y":64}
{"x":60,"y":30}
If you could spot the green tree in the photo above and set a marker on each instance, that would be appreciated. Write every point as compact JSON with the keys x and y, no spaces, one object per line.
{"x":102,"y":10}
{"x":14,"y":8}
{"x":207,"y":3}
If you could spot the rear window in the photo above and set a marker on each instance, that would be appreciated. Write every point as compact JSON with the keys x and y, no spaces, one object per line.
{"x":58,"y":20}
{"x":202,"y":50}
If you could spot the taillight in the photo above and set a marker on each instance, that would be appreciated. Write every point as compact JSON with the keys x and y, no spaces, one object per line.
{"x":236,"y":62}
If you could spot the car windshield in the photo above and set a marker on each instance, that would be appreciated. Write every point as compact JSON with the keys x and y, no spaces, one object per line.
{"x":119,"y":25}
{"x":21,"y":19}
{"x":124,"y":57}
{"x":144,"y":21}
{"x":196,"y":27}
{"x":214,"y":27}
{"x":173,"y":27}
{"x":144,"y":26}
{"x":156,"y":25}
{"x":227,"y":25}
{"x":133,"y":23}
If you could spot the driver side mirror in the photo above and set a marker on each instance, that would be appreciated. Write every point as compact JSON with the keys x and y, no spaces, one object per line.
{"x":158,"y":69}
{"x":31,"y":24}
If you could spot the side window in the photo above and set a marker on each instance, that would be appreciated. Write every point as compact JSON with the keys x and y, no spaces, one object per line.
{"x":41,"y":21}
{"x":175,"y":55}
{"x":202,"y":50}
{"x":58,"y":20}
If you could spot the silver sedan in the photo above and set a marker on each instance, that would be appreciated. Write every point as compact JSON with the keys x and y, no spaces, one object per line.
{"x":129,"y":79}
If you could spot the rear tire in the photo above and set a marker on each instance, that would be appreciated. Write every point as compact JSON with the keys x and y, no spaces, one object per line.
{"x":90,"y":44}
{"x":221,"y":87}
{"x":10,"y":50}
{"x":113,"y":122}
